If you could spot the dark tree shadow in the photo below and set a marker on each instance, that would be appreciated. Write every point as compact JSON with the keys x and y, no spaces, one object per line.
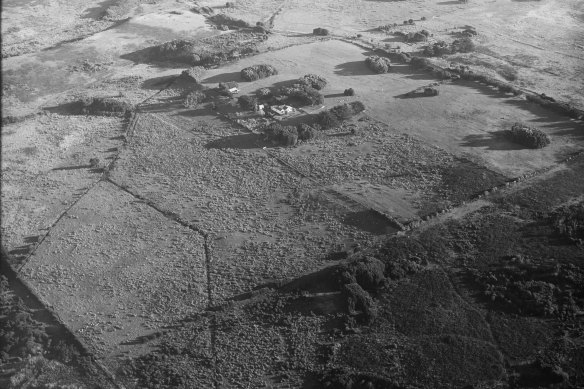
{"x":497,"y":140}
{"x":369,"y":221}
{"x":158,"y":83}
{"x":72,"y":108}
{"x":224,"y":77}
{"x":242,"y":141}
{"x":354,"y":68}
{"x":452,"y":2}
{"x":332,"y":95}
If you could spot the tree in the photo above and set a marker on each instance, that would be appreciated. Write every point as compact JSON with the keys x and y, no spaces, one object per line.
{"x":193,"y":99}
{"x":349,"y":92}
{"x":327,"y":120}
{"x":194,"y":74}
{"x":315,"y":81}
{"x":320,"y":31}
{"x":247,"y":102}
{"x":378,"y":64}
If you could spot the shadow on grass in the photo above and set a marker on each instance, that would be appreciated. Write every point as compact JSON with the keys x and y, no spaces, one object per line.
{"x":497,"y":140}
{"x":224,"y":77}
{"x":242,"y":141}
{"x":354,"y":68}
{"x":369,"y":221}
{"x":158,"y":83}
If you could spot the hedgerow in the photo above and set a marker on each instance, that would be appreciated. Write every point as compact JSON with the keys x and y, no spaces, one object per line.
{"x":256,"y":72}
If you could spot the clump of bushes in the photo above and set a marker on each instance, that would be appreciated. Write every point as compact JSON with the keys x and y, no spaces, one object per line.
{"x":419,"y":36}
{"x":105,"y":106}
{"x":568,"y":221}
{"x":257,"y":72}
{"x":378,"y":64}
{"x":176,"y":50}
{"x":248,"y":102}
{"x":306,"y":132}
{"x":304,"y":94}
{"x":349,"y":92}
{"x":462,"y":45}
{"x":320,"y":31}
{"x":315,"y":81}
{"x":368,"y":272}
{"x":529,"y":136}
{"x":264,"y":93}
{"x":358,"y":299}
{"x":193,"y":99}
{"x":194,"y":74}
{"x":336,"y":115}
{"x":226,"y":20}
{"x":430,"y":92}
{"x":282,"y":135}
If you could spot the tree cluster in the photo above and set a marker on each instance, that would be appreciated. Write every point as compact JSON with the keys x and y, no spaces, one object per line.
{"x":230,"y":22}
{"x":462,"y":45}
{"x":529,"y":136}
{"x":282,"y":135}
{"x":193,"y":99}
{"x":194,"y":74}
{"x":256,"y":72}
{"x":314,"y":81}
{"x":248,"y":102}
{"x":304,"y":94}
{"x":105,"y":106}
{"x":378,"y":64}
{"x":336,"y":115}
{"x":320,"y":31}
{"x":569,"y":221}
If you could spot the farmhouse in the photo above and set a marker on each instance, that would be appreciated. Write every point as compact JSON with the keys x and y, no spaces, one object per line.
{"x":282,"y":109}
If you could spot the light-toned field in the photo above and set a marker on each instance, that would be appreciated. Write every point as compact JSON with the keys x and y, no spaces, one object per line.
{"x":466,"y":119}
{"x":116,"y":270}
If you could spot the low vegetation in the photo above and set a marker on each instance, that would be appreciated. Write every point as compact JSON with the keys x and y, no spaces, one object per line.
{"x":228,"y":21}
{"x":440,"y":48}
{"x":529,"y":136}
{"x":256,"y":72}
{"x":378,"y":64}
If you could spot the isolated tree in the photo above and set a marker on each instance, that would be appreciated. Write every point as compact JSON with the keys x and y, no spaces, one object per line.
{"x":349,"y":92}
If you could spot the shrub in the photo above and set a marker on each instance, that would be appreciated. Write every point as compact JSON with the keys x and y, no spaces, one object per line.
{"x":283,"y":135}
{"x":320,"y":31}
{"x":368,"y":272}
{"x":306,"y":132}
{"x":304,"y":94}
{"x":430,"y":92}
{"x":327,"y":120}
{"x":314,"y":81}
{"x":528,"y":136}
{"x":256,"y":72}
{"x":176,"y":50}
{"x":194,"y":74}
{"x":463,"y":45}
{"x":378,"y":64}
{"x":105,"y":105}
{"x":247,"y":102}
{"x":358,"y":299}
{"x":349,"y":92}
{"x":264,"y":92}
{"x":411,"y":21}
{"x":222,"y":19}
{"x":193,"y":99}
{"x":569,"y":221}
{"x":423,"y":18}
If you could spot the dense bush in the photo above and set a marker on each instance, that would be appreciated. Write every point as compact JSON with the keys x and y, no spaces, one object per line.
{"x":336,"y":115}
{"x":463,"y":45}
{"x":320,"y":31}
{"x":528,"y":136}
{"x":105,"y":106}
{"x":176,"y":50}
{"x":194,"y":74}
{"x":306,"y":132}
{"x":193,"y":99}
{"x":304,"y":94}
{"x":247,"y":102}
{"x":264,"y":93}
{"x":430,"y":92}
{"x":368,"y":272}
{"x":420,"y":62}
{"x":256,"y":72}
{"x":315,"y":81}
{"x":378,"y":64}
{"x":282,"y":135}
{"x":569,"y":221}
{"x":222,"y":19}
{"x":349,"y":92}
{"x":358,"y":299}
